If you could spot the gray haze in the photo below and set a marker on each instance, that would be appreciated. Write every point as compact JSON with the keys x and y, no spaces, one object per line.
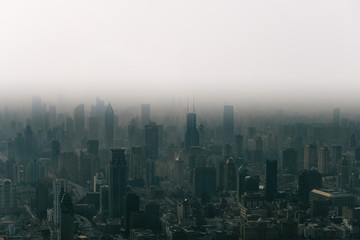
{"x":248,"y":52}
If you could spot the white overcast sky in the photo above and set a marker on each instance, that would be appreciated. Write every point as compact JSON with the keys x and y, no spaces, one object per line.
{"x":226,"y":50}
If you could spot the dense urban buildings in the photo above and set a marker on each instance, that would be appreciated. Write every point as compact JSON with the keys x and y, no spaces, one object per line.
{"x":123,"y":176}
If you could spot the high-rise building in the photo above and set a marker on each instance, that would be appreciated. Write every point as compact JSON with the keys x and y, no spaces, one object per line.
{"x":59,"y":187}
{"x":150,"y":172}
{"x":36,"y":113}
{"x":324,"y":161}
{"x":151,"y":141}
{"x":117,"y":183}
{"x":271,"y":179}
{"x":8,"y":200}
{"x":191,"y":134}
{"x":79,"y":118}
{"x":308,"y":180}
{"x":109,"y":126}
{"x":336,"y":117}
{"x":228,"y":123}
{"x":42,"y":199}
{"x":289,"y":160}
{"x":240,"y":181}
{"x":230,"y":174}
{"x":67,"y":225}
{"x":89,"y":164}
{"x":145,"y":114}
{"x":104,"y":199}
{"x":137,"y":163}
{"x":310,"y":156}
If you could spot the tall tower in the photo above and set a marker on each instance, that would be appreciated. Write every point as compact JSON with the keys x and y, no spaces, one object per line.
{"x":191,"y":134}
{"x":271,"y":179}
{"x":336,"y":117}
{"x":324,"y":160}
{"x":109,"y":126}
{"x":151,"y":141}
{"x":79,"y":118}
{"x":117,"y":183}
{"x":228,"y":123}
{"x":310,"y":156}
{"x":145,"y":114}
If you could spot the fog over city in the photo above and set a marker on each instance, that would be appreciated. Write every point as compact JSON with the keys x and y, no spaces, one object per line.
{"x":246,"y":52}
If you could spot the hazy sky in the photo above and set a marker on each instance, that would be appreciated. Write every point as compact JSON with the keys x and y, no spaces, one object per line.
{"x":225,"y":50}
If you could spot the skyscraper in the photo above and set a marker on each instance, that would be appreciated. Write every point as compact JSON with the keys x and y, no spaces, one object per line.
{"x":324,"y":160}
{"x":191,"y":134}
{"x":310,"y":156}
{"x":117,"y":183}
{"x":59,"y":187}
{"x":151,"y":141}
{"x":79,"y":118}
{"x":289,"y":160}
{"x":67,"y":225}
{"x":271,"y":179}
{"x":228,"y":123}
{"x":145,"y":114}
{"x":109,"y":126}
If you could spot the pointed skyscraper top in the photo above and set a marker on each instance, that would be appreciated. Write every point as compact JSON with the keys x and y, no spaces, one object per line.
{"x":109,"y":108}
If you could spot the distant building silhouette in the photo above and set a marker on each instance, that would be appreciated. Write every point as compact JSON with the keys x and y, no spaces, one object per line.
{"x":191,"y":134}
{"x":151,"y":141}
{"x":109,"y":126}
{"x":79,"y":118}
{"x":145,"y":114}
